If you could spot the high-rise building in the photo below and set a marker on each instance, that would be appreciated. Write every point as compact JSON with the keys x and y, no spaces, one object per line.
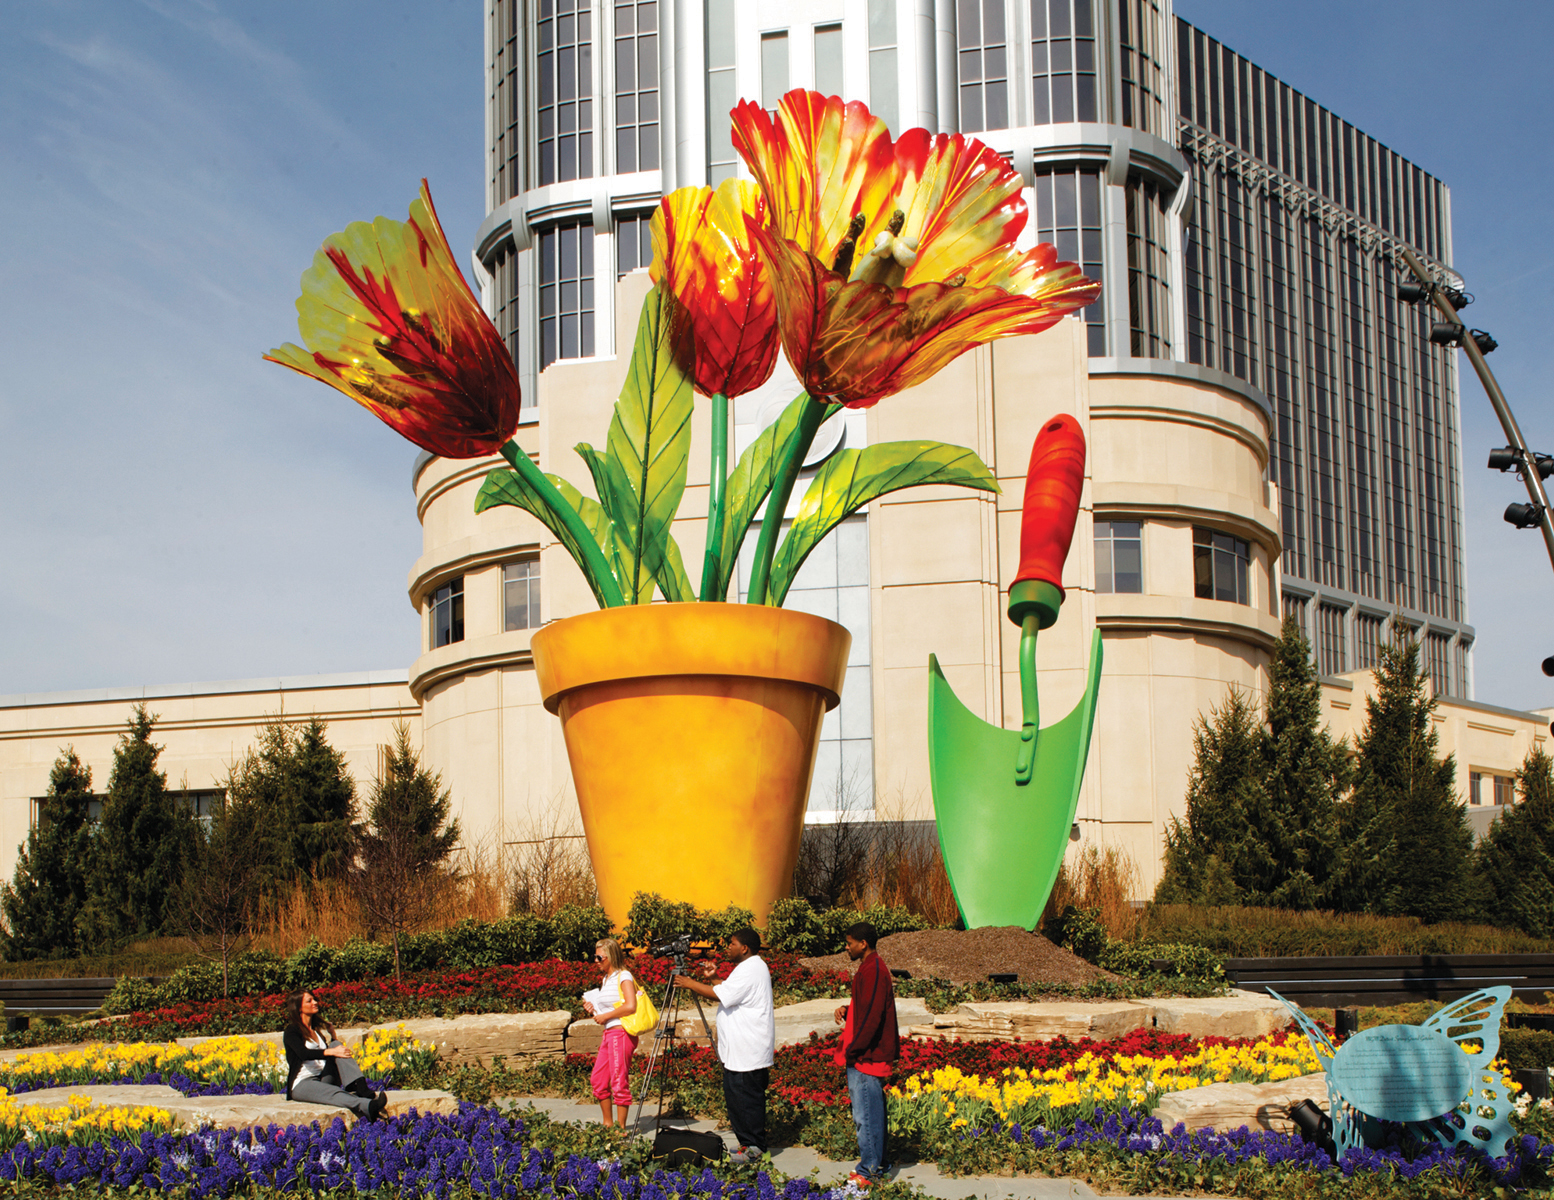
{"x":1269,"y":431}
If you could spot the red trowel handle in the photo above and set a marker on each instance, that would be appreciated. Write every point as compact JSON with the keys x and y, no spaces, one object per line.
{"x":1052,"y":487}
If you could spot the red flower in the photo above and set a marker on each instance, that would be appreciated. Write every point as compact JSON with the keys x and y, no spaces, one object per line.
{"x":389,"y":320}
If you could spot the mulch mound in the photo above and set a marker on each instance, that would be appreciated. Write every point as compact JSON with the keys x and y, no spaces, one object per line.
{"x":970,"y":956}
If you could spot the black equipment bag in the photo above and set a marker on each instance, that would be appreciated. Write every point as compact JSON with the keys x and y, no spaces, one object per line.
{"x":686,"y":1147}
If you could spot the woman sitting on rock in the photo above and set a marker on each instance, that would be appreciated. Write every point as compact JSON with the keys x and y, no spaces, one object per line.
{"x":319,"y":1068}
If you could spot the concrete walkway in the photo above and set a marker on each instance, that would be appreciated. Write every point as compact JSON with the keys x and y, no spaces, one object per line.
{"x":801,"y":1161}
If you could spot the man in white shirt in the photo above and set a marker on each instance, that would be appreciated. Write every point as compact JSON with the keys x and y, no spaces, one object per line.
{"x":747,"y":1039}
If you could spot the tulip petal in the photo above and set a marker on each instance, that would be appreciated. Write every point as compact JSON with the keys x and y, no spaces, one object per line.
{"x":725,"y":315}
{"x":856,"y":343}
{"x":389,"y":320}
{"x":821,"y":162}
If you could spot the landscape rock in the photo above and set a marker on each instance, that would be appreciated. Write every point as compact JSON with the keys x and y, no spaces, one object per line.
{"x":1225,"y":1106}
{"x":237,"y":1112}
{"x":796,"y":1021}
{"x":1035,"y":1021}
{"x":1239,"y":1015}
{"x":480,"y":1039}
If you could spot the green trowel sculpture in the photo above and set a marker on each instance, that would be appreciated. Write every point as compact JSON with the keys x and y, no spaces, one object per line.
{"x":1004,"y":799}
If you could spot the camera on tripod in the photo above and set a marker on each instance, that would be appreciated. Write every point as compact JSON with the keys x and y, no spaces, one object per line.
{"x":679,"y":949}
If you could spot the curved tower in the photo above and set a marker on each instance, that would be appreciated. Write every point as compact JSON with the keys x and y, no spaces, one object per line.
{"x":1270,"y":432}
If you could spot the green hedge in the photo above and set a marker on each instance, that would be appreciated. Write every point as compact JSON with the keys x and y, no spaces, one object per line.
{"x":1277,"y":933}
{"x":1081,"y":930}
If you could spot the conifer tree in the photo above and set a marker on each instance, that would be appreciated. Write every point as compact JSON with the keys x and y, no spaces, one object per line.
{"x":408,"y":837}
{"x":1407,"y":844}
{"x":143,"y":842}
{"x":1516,"y":857}
{"x":1304,"y":773}
{"x":294,"y":774}
{"x":49,"y":889}
{"x":1212,"y":845}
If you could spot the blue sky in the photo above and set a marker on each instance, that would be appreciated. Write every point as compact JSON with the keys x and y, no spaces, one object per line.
{"x":176,"y":509}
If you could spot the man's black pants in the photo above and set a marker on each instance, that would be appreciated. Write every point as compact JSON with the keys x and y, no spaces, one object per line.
{"x":745,"y":1094}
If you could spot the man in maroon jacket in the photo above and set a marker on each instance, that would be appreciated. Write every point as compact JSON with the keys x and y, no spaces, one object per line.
{"x":870,"y":1047}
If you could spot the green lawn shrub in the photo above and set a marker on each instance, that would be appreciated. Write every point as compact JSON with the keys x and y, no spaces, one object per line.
{"x":1239,"y":932}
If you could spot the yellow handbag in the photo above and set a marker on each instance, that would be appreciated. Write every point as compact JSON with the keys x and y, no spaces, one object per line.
{"x":644,"y":1018}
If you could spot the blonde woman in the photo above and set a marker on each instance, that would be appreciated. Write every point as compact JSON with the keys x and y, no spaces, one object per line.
{"x":616,"y":997}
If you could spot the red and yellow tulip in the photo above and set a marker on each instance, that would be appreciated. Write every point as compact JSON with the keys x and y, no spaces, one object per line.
{"x":725,"y":316}
{"x":891,"y":258}
{"x":389,"y":320}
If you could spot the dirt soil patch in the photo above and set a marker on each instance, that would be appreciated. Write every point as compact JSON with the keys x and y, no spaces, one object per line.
{"x":970,"y":956}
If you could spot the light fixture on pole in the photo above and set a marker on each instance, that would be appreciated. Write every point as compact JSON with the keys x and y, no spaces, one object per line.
{"x":1448,"y":333}
{"x":1536,"y":512}
{"x":1524,"y":516}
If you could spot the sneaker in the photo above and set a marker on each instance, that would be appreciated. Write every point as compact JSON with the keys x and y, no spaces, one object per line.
{"x":743,"y":1155}
{"x":861,"y":1182}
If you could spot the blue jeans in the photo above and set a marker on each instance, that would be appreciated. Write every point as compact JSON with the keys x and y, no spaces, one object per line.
{"x":868,"y":1097}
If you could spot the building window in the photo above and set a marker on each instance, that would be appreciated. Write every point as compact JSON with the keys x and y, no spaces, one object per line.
{"x":1437,"y":660}
{"x":884,"y":89}
{"x":566,"y":292}
{"x":564,"y":36}
{"x":633,"y":242}
{"x":1331,"y":659}
{"x":636,"y":85}
{"x":521,"y":595}
{"x":1140,"y":37}
{"x":774,"y":69}
{"x":1149,"y":269}
{"x":1291,"y":605}
{"x":508,"y":100}
{"x":1220,"y":564}
{"x":1119,"y":556}
{"x":828,"y":60}
{"x":1485,"y":787}
{"x":983,"y":65}
{"x":1063,"y":61}
{"x":445,"y":613}
{"x":1367,"y":639}
{"x":722,"y":92}
{"x":1068,"y":214}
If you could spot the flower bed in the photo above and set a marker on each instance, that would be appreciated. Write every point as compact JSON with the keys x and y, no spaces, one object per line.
{"x":478,"y":1152}
{"x":79,"y":1122}
{"x":225,"y":1066}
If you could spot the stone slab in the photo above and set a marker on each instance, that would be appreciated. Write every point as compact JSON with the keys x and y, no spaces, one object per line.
{"x":480,"y":1039}
{"x":236,"y":1112}
{"x":1241,"y":1014}
{"x":1036,"y":1021}
{"x":795,"y":1022}
{"x":1225,"y":1106}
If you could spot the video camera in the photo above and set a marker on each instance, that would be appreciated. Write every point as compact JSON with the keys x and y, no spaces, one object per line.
{"x":679,"y":949}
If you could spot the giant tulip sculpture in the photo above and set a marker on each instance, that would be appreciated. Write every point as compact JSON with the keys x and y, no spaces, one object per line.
{"x":1004,"y":799}
{"x":873,"y":262}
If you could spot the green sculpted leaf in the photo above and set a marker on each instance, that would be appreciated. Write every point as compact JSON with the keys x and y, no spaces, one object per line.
{"x":750,"y":483}
{"x":851,"y":478}
{"x":619,"y":503}
{"x":648,"y":448}
{"x":508,"y":487}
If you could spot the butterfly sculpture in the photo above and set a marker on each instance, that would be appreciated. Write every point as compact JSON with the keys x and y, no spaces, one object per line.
{"x":1422,"y":1076}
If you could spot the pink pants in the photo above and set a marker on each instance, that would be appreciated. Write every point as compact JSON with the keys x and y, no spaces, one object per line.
{"x":609,"y":1073}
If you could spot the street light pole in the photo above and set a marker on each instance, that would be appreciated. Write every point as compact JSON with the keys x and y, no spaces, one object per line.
{"x":1497,"y":400}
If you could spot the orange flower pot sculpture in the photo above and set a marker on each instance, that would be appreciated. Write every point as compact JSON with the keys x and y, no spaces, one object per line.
{"x":692,"y":730}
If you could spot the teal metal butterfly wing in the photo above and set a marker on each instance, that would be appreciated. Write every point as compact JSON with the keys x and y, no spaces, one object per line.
{"x":1483,"y":1119}
{"x":1346,"y":1122}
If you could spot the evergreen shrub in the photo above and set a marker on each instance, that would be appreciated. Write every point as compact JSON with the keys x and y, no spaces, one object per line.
{"x":794,"y":927}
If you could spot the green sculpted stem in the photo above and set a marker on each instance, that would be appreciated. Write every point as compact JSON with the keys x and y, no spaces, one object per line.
{"x":716,"y":488}
{"x":813,"y":413}
{"x":593,"y":558}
